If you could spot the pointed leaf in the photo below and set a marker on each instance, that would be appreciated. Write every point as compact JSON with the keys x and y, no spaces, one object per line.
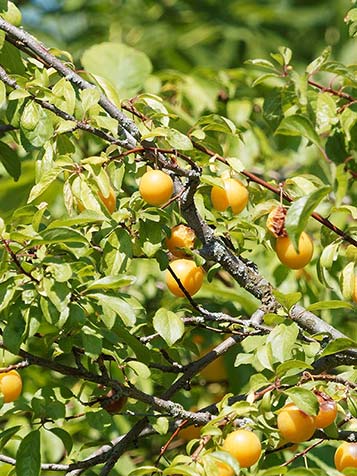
{"x":28,"y":457}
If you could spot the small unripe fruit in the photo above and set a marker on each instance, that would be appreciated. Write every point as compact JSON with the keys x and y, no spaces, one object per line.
{"x":243,"y":445}
{"x":234,"y":195}
{"x":294,"y":425}
{"x":346,"y":456}
{"x":156,"y":187}
{"x":327,"y":412}
{"x":10,"y":385}
{"x":190,"y":275}
{"x":289,"y":256}
{"x":182,"y":236}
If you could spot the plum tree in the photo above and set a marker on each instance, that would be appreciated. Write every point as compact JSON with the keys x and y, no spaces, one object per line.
{"x":145,"y":140}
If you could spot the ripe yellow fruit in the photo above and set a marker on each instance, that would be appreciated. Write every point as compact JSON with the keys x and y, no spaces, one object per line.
{"x":182,"y":236}
{"x":190,"y":275}
{"x":243,"y":445}
{"x":156,"y":187}
{"x":224,"y":469}
{"x":327,"y":412}
{"x":288,"y":255}
{"x":295,"y":426}
{"x":234,"y":195}
{"x":109,"y":201}
{"x":346,"y":456}
{"x":10,"y":385}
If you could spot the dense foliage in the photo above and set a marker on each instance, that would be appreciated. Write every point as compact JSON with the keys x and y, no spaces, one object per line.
{"x":256,"y":147}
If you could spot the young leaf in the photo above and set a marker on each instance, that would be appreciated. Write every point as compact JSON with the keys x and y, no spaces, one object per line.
{"x":339,"y":345}
{"x":168,"y":325}
{"x":298,"y":126}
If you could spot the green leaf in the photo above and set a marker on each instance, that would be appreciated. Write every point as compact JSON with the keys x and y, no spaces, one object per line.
{"x":14,"y":331}
{"x":126,"y":68}
{"x":168,"y":325}
{"x":282,"y":340}
{"x":60,"y":235}
{"x":92,"y":343}
{"x":28,"y":457}
{"x":297,"y":125}
{"x":6,"y":435}
{"x":141,"y":352}
{"x":315,"y":65}
{"x":300,"y":211}
{"x":326,"y":113}
{"x":111,"y":282}
{"x":333,"y":304}
{"x":287,"y":300}
{"x":143,"y":470}
{"x":177,"y":140}
{"x":286,"y":367}
{"x":161,"y":425}
{"x":89,"y":98}
{"x":304,"y":399}
{"x":339,"y":345}
{"x":64,"y":437}
{"x":118,"y":305}
{"x":274,"y":471}
{"x":10,"y":161}
{"x":140,"y":369}
{"x":44,"y":183}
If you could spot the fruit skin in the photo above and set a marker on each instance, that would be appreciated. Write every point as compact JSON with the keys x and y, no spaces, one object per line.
{"x":191,"y":432}
{"x":224,"y":469}
{"x":295,"y":426}
{"x":327,"y":413}
{"x":116,"y":405}
{"x":10,"y":385}
{"x":156,"y":187}
{"x":234,"y":195}
{"x":288,"y":255}
{"x":346,"y":456}
{"x":190,"y":275}
{"x":182,"y":236}
{"x":109,"y":201}
{"x":243,"y":445}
